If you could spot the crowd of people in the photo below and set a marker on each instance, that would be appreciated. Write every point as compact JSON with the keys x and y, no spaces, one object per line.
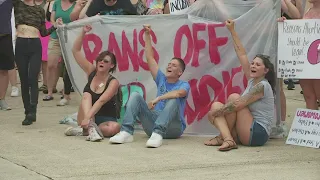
{"x":245,"y":119}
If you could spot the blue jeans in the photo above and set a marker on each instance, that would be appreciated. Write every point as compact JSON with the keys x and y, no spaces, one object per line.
{"x":166,"y":123}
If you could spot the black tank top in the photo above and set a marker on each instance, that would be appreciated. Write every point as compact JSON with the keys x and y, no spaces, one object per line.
{"x":109,"y":108}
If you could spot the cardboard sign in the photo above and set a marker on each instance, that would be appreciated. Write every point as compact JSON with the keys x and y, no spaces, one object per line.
{"x":305,"y":129}
{"x":299,"y":49}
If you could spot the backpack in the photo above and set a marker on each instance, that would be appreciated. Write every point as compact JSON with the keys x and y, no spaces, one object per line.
{"x":118,"y":99}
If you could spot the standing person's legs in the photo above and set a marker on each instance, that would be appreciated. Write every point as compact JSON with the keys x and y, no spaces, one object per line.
{"x":22,"y":60}
{"x":44,"y":75}
{"x":6,"y":64}
{"x":309,"y":93}
{"x":13,"y":81}
{"x":34,"y":70}
{"x":67,"y":89}
{"x":54,"y":54}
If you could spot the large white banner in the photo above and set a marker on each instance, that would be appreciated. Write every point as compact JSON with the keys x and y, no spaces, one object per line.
{"x":213,"y":70}
{"x":299,"y":49}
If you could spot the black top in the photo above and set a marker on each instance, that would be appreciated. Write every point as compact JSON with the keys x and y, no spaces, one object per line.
{"x":121,"y":7}
{"x":109,"y":108}
{"x":48,"y":13}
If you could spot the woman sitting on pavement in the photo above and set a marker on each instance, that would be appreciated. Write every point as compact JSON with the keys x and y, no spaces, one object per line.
{"x":97,"y":112}
{"x":247,"y":118}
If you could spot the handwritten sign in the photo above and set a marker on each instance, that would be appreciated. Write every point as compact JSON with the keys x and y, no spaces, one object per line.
{"x":305,"y":129}
{"x":178,"y":6}
{"x":299,"y":49}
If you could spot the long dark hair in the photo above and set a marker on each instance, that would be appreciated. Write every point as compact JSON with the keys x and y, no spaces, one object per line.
{"x":112,"y":57}
{"x":271,"y":75}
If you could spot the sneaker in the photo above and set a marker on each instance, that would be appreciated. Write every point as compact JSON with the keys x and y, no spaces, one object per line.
{"x":121,"y":137}
{"x":291,"y":87}
{"x":279,"y":132}
{"x":4,"y":106}
{"x":63,"y":102}
{"x":73,"y":131}
{"x":14,"y":91}
{"x":95,"y":133}
{"x":154,"y":141}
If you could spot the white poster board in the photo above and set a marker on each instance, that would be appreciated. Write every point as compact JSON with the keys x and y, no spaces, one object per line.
{"x":305,"y":129}
{"x":299,"y":49}
{"x":178,"y":6}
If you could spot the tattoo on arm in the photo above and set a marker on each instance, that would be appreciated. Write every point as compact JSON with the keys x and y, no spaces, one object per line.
{"x":254,"y":94}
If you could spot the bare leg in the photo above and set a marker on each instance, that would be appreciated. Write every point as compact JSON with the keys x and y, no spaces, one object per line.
{"x":109,"y":128}
{"x":221,"y":124}
{"x":13,"y":77}
{"x":52,"y":74}
{"x":4,"y":82}
{"x":231,"y":119}
{"x":44,"y":72}
{"x":283,"y":102}
{"x":316,"y":87}
{"x":85,"y":106}
{"x":309,"y":93}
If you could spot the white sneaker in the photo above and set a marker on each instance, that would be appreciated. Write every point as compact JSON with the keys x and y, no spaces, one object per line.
{"x":73,"y":131}
{"x":121,"y":137}
{"x":95,"y":133}
{"x":4,"y":106}
{"x":279,"y":132}
{"x":14,"y":91}
{"x":63,"y":102}
{"x":154,"y":141}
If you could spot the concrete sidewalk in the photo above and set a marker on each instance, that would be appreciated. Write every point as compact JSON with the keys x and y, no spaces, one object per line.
{"x":41,"y":151}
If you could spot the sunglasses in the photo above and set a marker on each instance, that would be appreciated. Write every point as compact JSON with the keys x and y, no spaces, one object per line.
{"x":104,"y":60}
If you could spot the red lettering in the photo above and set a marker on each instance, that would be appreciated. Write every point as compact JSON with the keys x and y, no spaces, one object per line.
{"x":91,"y":55}
{"x":198,"y":43}
{"x":128,"y":51}
{"x":142,"y":63}
{"x":183,"y":31}
{"x":195,"y":44}
{"x":114,"y":48}
{"x":215,"y":42}
{"x":200,"y":95}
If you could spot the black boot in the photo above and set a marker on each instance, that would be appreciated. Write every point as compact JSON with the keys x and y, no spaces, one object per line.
{"x":26,"y":121}
{"x":32,"y":115}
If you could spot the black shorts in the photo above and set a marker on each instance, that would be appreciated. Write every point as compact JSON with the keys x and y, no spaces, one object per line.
{"x":6,"y":52}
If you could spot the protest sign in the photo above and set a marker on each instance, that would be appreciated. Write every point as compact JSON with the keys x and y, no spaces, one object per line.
{"x":305,"y":129}
{"x":299,"y":49}
{"x":213,"y":69}
{"x":178,"y":6}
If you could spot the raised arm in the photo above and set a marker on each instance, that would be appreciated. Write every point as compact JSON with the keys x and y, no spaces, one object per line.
{"x":87,"y":67}
{"x":153,"y":66}
{"x":83,"y":12}
{"x":240,"y":51}
{"x":75,"y":14}
{"x":290,"y":9}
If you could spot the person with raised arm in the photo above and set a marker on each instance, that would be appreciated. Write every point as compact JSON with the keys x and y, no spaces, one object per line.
{"x":163,"y":117}
{"x":97,"y":113}
{"x":246,"y":118}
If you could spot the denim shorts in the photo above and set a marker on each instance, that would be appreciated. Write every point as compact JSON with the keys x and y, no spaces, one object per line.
{"x":101,"y":119}
{"x":258,"y":135}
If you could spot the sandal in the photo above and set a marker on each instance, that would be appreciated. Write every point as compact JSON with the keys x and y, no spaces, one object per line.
{"x":216,"y":141}
{"x":230,"y":146}
{"x":47,"y":98}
